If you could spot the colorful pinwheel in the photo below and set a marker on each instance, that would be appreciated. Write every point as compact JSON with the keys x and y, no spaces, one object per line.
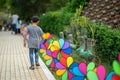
{"x":64,"y":68}
{"x":50,"y":60}
{"x":44,"y":48}
{"x":61,"y":47}
{"x":78,"y":75}
{"x":58,"y":49}
{"x":79,"y":72}
{"x":96,"y":73}
{"x":52,"y":57}
{"x":84,"y":71}
{"x":23,"y":29}
{"x":45,"y":44}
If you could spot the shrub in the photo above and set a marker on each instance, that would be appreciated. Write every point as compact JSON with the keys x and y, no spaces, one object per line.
{"x":54,"y":22}
{"x":107,"y":43}
{"x":74,"y":4}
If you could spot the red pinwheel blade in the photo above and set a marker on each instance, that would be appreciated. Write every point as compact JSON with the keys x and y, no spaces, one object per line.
{"x":52,"y":65}
{"x":63,"y":61}
{"x":70,"y":75}
{"x":50,"y":36}
{"x":55,"y":53}
{"x":46,"y":44}
{"x":64,"y":55}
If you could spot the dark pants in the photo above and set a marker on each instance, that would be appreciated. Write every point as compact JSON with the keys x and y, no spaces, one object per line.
{"x":0,"y":28}
{"x":18,"y":30}
{"x":14,"y":28}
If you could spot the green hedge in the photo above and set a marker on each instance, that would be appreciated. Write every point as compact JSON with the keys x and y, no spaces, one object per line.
{"x":74,"y":4}
{"x":107,"y":43}
{"x":54,"y":22}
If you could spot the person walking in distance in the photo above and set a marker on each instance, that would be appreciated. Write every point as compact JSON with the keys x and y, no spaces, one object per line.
{"x":14,"y":20}
{"x":35,"y":36}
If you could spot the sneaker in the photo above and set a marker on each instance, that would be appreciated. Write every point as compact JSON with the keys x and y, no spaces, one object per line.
{"x":37,"y":64}
{"x":32,"y":67}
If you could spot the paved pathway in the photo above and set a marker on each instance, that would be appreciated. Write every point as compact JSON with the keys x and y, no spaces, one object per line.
{"x":14,"y":60}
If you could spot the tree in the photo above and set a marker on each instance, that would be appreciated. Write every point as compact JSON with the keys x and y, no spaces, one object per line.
{"x":56,"y":4}
{"x":2,"y":3}
{"x":28,"y":8}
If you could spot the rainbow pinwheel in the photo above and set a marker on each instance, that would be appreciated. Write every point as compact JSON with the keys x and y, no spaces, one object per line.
{"x":79,"y":71}
{"x":64,"y":68}
{"x":45,"y":44}
{"x":61,"y":47}
{"x":23,"y":29}
{"x":96,"y":73}
{"x":49,"y":54}
{"x":44,"y":48}
{"x":77,"y":74}
{"x":84,"y":71}
{"x":50,"y":60}
{"x":51,"y":49}
{"x":58,"y":49}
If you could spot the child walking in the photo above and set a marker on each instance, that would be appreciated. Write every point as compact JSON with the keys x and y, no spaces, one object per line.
{"x":35,"y":36}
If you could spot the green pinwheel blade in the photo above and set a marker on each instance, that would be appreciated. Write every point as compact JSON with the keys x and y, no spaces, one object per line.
{"x":59,"y":56}
{"x":90,"y":66}
{"x":50,"y":41}
{"x":65,"y":75}
{"x":116,"y":67}
{"x":48,"y":62}
{"x":43,"y":54}
{"x":91,"y":75}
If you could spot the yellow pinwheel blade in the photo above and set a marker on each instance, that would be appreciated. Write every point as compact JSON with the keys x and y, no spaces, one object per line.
{"x":41,"y":50}
{"x":50,"y":45}
{"x":55,"y":46}
{"x":95,"y":70}
{"x":46,"y":57}
{"x":56,"y":43}
{"x":46,"y":35}
{"x":69,"y":61}
{"x":60,"y":72}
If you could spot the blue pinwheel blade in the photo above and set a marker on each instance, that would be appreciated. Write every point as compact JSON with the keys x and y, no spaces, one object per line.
{"x":78,"y":78}
{"x":56,"y":60}
{"x":72,"y":66}
{"x":109,"y":76}
{"x":67,"y":51}
{"x":61,"y":42}
{"x":77,"y":72}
